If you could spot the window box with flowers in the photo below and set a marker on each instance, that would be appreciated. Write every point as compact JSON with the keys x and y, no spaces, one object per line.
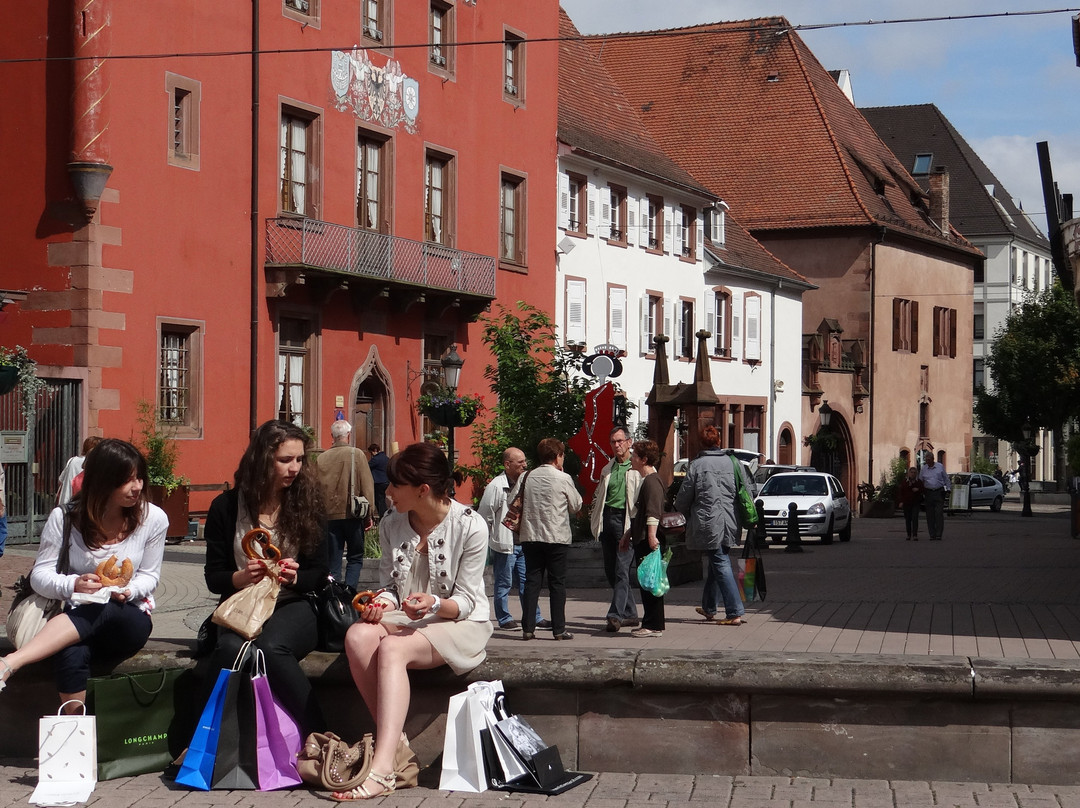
{"x":447,"y":408}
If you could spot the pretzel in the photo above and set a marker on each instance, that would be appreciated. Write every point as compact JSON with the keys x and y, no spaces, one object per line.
{"x":111,"y":574}
{"x":260,"y":536}
{"x":365,"y":599}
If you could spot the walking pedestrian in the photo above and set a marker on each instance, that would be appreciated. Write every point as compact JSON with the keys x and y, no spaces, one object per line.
{"x":909,"y":494}
{"x":936,"y":488}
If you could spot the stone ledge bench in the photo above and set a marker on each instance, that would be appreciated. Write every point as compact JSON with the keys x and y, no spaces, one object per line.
{"x":948,"y":718}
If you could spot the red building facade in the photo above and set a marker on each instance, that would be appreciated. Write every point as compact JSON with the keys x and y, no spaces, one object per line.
{"x":305,"y":204}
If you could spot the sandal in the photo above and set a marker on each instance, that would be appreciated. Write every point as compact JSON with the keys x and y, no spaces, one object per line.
{"x":386,"y":784}
{"x":730,"y":621}
{"x":406,"y":765}
{"x":707,"y":615}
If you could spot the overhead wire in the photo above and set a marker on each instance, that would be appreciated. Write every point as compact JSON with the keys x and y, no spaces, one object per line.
{"x":694,"y":30}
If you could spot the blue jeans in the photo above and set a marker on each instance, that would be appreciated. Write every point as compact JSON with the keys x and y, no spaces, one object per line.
{"x":720,"y":585}
{"x":346,"y":536}
{"x":617,"y":566}
{"x":508,"y":570}
{"x":3,"y":533}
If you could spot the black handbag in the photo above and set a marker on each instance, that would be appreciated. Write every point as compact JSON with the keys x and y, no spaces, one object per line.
{"x":334,"y":612}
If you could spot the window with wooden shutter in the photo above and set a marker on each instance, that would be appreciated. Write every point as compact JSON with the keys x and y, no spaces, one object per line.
{"x":574,"y":329}
{"x":753,"y":328}
{"x":617,"y":316}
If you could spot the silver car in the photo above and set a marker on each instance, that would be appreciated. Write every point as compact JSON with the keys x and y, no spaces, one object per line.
{"x":823,"y":507}
{"x":982,"y":490}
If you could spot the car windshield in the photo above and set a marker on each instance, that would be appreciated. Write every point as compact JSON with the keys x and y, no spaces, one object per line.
{"x":784,"y":485}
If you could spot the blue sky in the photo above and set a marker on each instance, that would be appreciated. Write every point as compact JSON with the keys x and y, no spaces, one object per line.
{"x":1005,"y":83}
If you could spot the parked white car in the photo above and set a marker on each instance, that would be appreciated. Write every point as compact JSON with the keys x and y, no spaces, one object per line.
{"x":823,"y":506}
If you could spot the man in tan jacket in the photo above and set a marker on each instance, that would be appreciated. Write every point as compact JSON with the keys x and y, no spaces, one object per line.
{"x":343,"y":471}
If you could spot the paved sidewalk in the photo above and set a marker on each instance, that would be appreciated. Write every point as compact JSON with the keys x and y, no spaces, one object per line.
{"x":999,"y":586}
{"x":603,"y":791}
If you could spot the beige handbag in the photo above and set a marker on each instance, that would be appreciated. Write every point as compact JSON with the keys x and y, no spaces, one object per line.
{"x":30,"y":611}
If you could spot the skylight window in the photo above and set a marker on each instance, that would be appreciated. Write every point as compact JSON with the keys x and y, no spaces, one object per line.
{"x":922,"y":164}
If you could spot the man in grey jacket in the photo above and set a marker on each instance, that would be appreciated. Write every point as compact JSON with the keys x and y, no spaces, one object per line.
{"x":707,"y":499}
{"x":613,"y":507}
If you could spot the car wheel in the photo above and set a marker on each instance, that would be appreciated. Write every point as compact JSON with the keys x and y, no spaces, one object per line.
{"x":845,"y":533}
{"x":826,"y":537}
{"x":996,"y":504}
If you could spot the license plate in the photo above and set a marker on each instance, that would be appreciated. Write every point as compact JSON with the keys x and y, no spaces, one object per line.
{"x":778,"y":523}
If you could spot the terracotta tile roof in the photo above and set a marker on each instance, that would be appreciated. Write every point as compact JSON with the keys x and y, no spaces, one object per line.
{"x":923,"y":129}
{"x":748,"y":109}
{"x":597,"y":119}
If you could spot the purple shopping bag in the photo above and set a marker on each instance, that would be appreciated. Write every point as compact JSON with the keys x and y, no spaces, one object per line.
{"x":278,"y":738}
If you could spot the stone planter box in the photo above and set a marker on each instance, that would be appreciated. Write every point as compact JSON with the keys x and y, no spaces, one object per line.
{"x":875,"y":509}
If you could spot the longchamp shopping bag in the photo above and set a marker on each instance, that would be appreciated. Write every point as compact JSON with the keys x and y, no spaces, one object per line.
{"x":278,"y":740}
{"x":67,"y":758}
{"x":136,"y":713}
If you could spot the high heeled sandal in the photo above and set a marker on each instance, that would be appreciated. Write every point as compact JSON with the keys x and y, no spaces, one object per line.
{"x":386,"y":783}
{"x":406,"y":765}
{"x":8,"y":673}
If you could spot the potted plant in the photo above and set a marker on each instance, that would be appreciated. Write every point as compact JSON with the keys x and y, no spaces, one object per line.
{"x":883,"y":503}
{"x":18,"y":369}
{"x":448,"y":408}
{"x":168,"y":490}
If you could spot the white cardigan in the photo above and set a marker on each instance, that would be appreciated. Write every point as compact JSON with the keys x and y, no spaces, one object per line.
{"x":457,"y":553}
{"x":145,"y":547}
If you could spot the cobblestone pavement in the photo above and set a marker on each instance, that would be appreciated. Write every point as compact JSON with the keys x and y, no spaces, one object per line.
{"x":603,"y":791}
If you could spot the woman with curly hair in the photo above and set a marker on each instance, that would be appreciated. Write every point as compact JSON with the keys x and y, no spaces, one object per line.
{"x":276,"y":489}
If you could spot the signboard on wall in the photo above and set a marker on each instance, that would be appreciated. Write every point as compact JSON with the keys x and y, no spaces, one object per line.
{"x":13,"y":447}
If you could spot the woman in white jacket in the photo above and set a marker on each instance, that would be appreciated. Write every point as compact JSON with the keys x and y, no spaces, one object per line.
{"x":433,"y":609}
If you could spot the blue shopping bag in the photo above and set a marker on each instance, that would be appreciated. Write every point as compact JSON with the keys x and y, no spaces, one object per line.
{"x":197,"y":769}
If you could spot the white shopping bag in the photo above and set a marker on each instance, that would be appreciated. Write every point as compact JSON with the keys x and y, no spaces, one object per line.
{"x":463,"y":756}
{"x":67,"y":758}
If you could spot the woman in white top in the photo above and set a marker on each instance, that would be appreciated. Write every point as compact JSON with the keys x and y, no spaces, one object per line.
{"x":111,"y":516}
{"x":433,"y":611}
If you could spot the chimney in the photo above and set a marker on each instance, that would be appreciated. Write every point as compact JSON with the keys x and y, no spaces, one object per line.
{"x":939,"y":198}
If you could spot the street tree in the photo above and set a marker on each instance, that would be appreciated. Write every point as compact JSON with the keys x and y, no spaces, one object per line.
{"x":540,"y":394}
{"x":1034,"y":367}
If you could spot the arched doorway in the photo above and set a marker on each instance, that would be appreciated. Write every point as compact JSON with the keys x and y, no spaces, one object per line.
{"x":785,"y":448}
{"x":372,"y":409}
{"x":831,"y":451}
{"x":369,"y":414}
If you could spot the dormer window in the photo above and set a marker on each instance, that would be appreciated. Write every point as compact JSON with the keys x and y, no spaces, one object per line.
{"x":716,"y":226}
{"x":922,"y":164}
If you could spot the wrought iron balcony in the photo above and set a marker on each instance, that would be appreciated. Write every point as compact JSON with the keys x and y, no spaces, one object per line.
{"x":392,"y":263}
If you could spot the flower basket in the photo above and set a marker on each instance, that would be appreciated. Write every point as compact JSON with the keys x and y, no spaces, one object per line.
{"x":449,"y":409}
{"x":9,"y":378}
{"x":450,"y":415}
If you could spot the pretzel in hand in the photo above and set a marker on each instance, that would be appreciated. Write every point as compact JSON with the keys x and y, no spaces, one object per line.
{"x":259,"y":536}
{"x":110,"y":573}
{"x":366,"y":599}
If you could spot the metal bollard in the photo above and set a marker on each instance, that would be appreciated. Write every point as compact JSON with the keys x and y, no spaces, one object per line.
{"x":794,"y":540}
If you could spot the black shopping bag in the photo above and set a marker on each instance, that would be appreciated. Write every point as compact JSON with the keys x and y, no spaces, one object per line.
{"x":140,"y":720}
{"x":237,"y":763}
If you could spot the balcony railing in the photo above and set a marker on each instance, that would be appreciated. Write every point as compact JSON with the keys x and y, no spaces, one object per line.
{"x":364,"y":253}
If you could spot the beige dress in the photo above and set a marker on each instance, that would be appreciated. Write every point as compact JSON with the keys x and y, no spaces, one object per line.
{"x":460,"y":642}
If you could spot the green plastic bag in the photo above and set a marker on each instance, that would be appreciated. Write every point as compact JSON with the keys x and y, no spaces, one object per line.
{"x":652,"y":572}
{"x":744,"y":500}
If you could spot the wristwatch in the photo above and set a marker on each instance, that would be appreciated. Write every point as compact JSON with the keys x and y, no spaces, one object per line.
{"x":434,"y":609}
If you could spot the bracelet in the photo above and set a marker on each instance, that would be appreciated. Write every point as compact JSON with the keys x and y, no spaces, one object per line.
{"x":434,"y":609}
